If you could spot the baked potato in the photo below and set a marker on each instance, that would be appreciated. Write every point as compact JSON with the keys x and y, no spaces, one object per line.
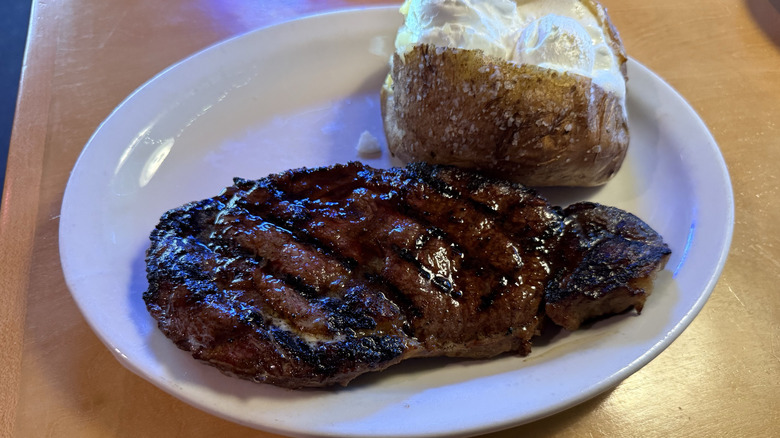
{"x":524,"y":121}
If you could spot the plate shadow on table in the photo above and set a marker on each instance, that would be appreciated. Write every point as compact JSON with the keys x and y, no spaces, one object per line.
{"x":766,"y":13}
{"x":555,"y":423}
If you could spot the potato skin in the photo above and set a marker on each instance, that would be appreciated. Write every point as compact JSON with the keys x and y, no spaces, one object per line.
{"x":524,"y":123}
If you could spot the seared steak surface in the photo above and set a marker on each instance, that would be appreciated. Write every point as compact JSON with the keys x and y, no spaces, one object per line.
{"x":312,"y":277}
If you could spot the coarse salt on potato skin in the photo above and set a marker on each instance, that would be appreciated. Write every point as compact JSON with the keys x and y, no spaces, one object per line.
{"x":525,"y":123}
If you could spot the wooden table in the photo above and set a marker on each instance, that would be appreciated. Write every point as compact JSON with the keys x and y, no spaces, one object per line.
{"x":720,"y":378}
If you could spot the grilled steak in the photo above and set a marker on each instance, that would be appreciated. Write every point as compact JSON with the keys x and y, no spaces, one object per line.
{"x":312,"y":277}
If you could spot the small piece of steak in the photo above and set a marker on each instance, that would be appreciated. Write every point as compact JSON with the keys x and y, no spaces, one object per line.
{"x":312,"y":277}
{"x":607,"y":261}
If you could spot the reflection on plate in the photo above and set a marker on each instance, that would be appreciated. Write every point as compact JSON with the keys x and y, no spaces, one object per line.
{"x":300,"y":94}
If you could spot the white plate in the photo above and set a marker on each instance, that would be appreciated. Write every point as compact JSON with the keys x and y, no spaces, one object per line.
{"x":300,"y":94}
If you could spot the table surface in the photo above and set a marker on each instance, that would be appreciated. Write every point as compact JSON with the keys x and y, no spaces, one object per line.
{"x":719,"y":378}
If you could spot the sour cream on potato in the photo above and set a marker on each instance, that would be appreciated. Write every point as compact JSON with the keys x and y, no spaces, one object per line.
{"x":562,"y":35}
